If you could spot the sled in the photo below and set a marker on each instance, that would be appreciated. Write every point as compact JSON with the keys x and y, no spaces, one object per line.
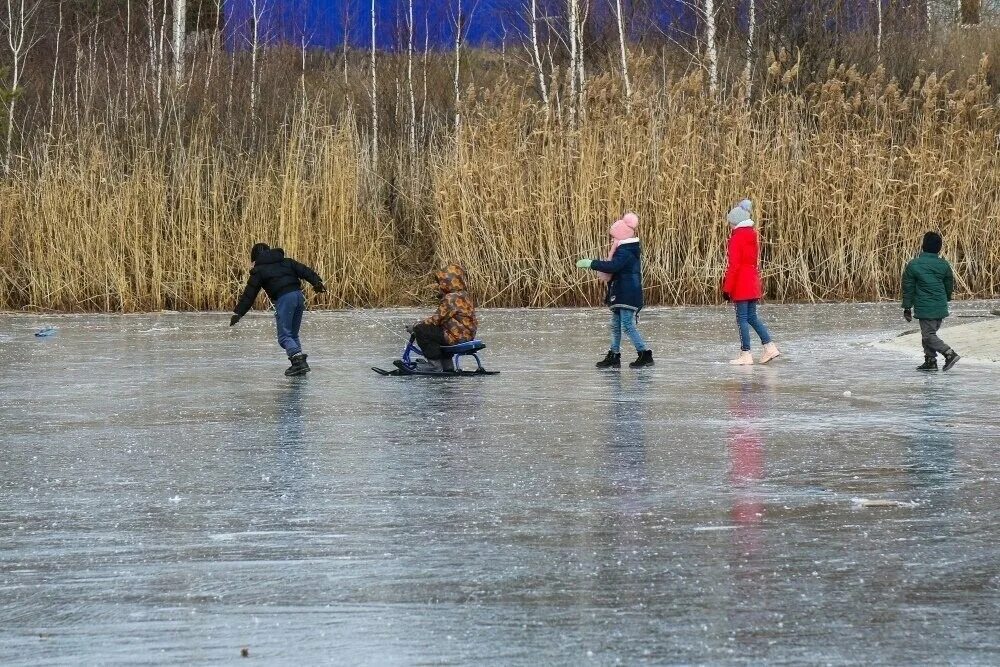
{"x":408,"y":366}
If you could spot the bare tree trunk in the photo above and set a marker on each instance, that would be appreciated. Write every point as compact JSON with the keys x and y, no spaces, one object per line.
{"x":624,"y":53}
{"x":574,"y":19}
{"x":878,"y":35}
{"x":750,"y":54}
{"x":711,"y":52}
{"x":55,"y":71}
{"x":257,"y":8}
{"x":128,"y":47}
{"x":214,"y":48}
{"x":458,"y":63}
{"x":536,"y":55}
{"x":303,"y":77}
{"x":20,"y":40}
{"x":423,"y":100}
{"x":159,"y":65}
{"x":409,"y":83}
{"x":374,"y":94}
{"x":180,"y":33}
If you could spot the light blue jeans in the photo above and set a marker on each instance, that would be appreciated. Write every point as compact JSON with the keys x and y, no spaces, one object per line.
{"x":623,"y":318}
{"x":746,"y":317}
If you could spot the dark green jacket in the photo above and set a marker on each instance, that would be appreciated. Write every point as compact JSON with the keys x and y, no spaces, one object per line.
{"x":927,"y":286}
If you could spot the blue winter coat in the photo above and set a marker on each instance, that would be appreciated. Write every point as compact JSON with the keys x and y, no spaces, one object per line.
{"x":625,"y":288}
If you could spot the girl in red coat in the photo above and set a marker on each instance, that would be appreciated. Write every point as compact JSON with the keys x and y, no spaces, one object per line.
{"x":742,"y":284}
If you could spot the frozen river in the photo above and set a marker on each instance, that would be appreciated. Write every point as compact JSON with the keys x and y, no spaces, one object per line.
{"x":168,"y":497}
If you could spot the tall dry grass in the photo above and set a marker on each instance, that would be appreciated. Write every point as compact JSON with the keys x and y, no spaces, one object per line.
{"x":846,"y":175}
{"x":89,"y":226}
{"x":144,"y":202}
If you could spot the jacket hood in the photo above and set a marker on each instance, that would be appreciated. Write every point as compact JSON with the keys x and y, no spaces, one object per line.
{"x":271,"y":256}
{"x":451,"y":279}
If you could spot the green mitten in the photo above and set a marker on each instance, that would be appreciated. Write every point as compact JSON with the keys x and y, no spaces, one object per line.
{"x":584,"y":263}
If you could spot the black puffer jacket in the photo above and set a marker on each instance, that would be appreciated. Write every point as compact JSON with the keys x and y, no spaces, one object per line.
{"x":277,"y":275}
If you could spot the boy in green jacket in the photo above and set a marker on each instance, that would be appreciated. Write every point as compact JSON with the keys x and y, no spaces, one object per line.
{"x":927,"y":286}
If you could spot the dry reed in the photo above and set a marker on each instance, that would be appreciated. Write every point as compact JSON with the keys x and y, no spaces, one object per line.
{"x":129,"y":209}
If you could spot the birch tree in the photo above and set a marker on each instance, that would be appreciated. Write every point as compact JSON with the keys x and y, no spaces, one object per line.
{"x":55,"y":71}
{"x":458,"y":64}
{"x":18,"y":24}
{"x":878,"y":30}
{"x":374,"y":91}
{"x":180,"y":34}
{"x":257,"y":8}
{"x":711,"y":50}
{"x":750,"y":51}
{"x":620,"y":19}
{"x":409,"y":80}
{"x":574,"y":55}
{"x":536,"y":54}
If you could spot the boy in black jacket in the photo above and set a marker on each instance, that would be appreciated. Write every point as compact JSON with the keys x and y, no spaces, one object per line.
{"x":281,"y":278}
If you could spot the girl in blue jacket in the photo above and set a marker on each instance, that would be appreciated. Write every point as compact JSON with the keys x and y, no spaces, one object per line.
{"x":623,"y":272}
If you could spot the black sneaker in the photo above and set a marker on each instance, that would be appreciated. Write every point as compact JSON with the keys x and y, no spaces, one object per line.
{"x":930,"y":364}
{"x":645,"y":359}
{"x":612,"y":360}
{"x":950,"y":360}
{"x":298,"y":367}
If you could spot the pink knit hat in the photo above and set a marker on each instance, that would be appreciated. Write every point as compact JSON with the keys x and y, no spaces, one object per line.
{"x":622,"y":229}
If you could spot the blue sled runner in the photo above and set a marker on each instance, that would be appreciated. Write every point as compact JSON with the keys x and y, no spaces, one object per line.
{"x":409,"y":366}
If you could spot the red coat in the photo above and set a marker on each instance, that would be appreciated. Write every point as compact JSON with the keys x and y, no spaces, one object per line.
{"x":742,"y":281}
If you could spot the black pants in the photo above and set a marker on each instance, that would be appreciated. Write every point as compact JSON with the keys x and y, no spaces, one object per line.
{"x":429,"y":339}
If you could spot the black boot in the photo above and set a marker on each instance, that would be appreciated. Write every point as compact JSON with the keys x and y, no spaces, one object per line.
{"x":950,"y":359}
{"x":930,"y":364}
{"x":298,"y":367}
{"x":612,"y":360}
{"x":645,"y":359}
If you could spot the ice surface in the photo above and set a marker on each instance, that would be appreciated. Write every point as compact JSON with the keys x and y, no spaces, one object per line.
{"x":168,"y":497}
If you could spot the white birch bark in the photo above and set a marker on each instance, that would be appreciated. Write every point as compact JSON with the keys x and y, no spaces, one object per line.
{"x":458,"y":64}
{"x":711,"y":51}
{"x":748,"y":67}
{"x":878,"y":34}
{"x":20,"y":41}
{"x":257,"y":10}
{"x":128,"y":46}
{"x":55,"y":71}
{"x":409,"y":82}
{"x":374,"y":94}
{"x":574,"y":19}
{"x":536,"y":54}
{"x":180,"y":34}
{"x":624,"y":53}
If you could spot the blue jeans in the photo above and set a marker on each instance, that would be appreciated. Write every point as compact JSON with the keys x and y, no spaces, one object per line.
{"x":746,"y":317}
{"x":288,"y":311}
{"x":623,"y":318}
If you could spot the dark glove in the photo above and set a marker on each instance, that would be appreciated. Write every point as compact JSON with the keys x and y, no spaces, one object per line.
{"x":726,"y":297}
{"x":908,"y":315}
{"x":233,"y":320}
{"x":321,"y":289}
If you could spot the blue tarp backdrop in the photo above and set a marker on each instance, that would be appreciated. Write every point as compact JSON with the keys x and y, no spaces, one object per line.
{"x":330,"y":24}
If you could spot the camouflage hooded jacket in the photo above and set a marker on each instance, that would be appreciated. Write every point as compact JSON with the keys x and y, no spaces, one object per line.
{"x":456,"y":314}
